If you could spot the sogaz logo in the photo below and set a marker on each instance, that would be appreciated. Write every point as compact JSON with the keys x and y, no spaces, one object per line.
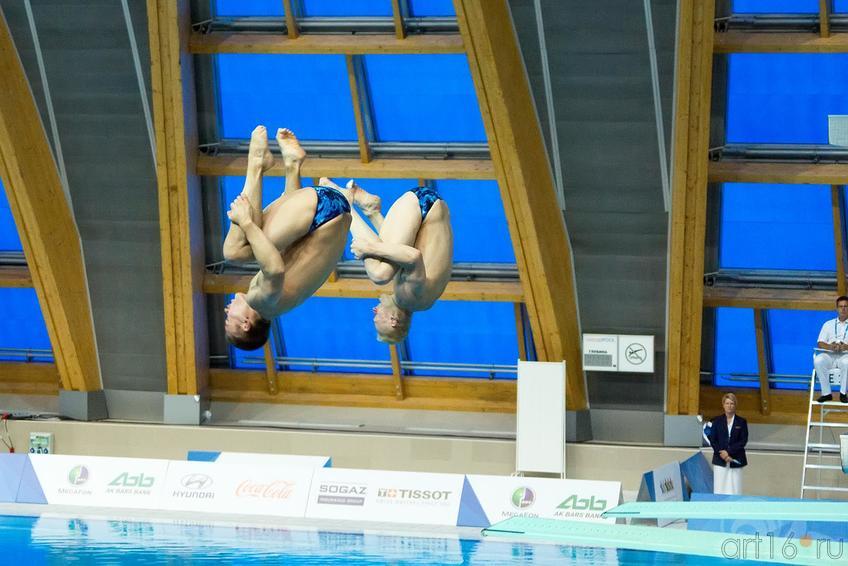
{"x":523,"y":497}
{"x":78,"y":475}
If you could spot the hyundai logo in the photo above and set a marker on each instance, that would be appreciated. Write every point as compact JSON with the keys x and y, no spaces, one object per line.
{"x":196,"y":481}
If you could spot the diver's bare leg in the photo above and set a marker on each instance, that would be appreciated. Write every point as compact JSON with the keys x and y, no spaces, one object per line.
{"x":293,"y":156}
{"x":378,"y":271}
{"x":368,"y":203}
{"x":259,"y":160}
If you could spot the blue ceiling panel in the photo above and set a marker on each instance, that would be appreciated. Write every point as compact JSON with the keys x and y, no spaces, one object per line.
{"x":784,"y":6}
{"x":425,"y":8}
{"x":776,"y":227}
{"x":775,"y":6}
{"x":792,"y":335}
{"x":342,"y":8}
{"x":423,"y":98}
{"x":9,"y":240}
{"x":334,"y":328}
{"x":735,"y":347}
{"x":308,"y":94}
{"x":784,"y":98}
{"x":21,"y":324}
{"x":341,"y":329}
{"x":249,"y":8}
{"x":465,"y":332}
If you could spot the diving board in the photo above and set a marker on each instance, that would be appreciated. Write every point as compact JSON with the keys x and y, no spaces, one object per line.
{"x":830,"y":511}
{"x":654,"y":539}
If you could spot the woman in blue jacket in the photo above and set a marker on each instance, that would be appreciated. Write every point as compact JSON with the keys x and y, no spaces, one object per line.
{"x":728,"y":437}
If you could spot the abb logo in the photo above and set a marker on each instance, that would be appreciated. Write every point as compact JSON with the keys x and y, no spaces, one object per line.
{"x":278,"y":489}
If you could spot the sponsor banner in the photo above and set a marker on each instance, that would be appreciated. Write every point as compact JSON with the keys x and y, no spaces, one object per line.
{"x":11,"y":471}
{"x":668,"y":486}
{"x":134,"y":483}
{"x":228,"y":488}
{"x":843,"y":442}
{"x":281,"y":460}
{"x":398,"y":497}
{"x":502,"y":497}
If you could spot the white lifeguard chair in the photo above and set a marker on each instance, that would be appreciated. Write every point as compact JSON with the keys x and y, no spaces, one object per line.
{"x":823,"y":445}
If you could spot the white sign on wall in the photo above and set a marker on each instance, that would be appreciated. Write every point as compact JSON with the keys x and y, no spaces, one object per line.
{"x":135,"y":483}
{"x":618,"y":352}
{"x":837,"y":129}
{"x":372,"y":495}
{"x":502,"y":497}
{"x":636,"y":353}
{"x":600,"y":352}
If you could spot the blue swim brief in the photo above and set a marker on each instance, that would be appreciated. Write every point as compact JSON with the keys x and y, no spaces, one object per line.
{"x":331,"y":203}
{"x":427,"y":197}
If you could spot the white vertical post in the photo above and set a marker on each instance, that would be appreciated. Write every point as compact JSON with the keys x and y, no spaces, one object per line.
{"x":540,"y":418}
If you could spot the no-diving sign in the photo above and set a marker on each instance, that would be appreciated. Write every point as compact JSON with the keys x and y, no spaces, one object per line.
{"x":636,"y":353}
{"x":618,"y":352}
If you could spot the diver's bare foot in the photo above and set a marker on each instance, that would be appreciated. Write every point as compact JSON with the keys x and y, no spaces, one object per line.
{"x":259,"y":156}
{"x":327,"y":182}
{"x":292,"y":152}
{"x":370,"y":204}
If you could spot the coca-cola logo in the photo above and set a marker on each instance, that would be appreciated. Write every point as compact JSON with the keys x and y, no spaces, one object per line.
{"x":278,"y":489}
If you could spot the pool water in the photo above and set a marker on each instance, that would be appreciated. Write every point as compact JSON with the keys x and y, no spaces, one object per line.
{"x":52,"y":539}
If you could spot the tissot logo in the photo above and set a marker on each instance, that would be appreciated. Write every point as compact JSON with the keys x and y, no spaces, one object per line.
{"x":523,"y":497}
{"x":413,"y":494}
{"x":196,"y":481}
{"x":78,"y":475}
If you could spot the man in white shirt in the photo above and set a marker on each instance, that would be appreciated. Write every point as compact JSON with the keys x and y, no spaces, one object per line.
{"x":834,"y":338}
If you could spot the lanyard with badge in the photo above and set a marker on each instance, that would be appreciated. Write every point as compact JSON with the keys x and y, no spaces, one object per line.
{"x":836,"y":332}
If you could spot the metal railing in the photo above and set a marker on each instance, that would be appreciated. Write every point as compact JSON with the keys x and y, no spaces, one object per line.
{"x":771,"y":278}
{"x":317,"y":363}
{"x":779,"y":23}
{"x":355,"y":269}
{"x":328,"y":25}
{"x":396,"y":150}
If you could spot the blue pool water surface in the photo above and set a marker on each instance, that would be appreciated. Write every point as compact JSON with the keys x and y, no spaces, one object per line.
{"x":54,"y":539}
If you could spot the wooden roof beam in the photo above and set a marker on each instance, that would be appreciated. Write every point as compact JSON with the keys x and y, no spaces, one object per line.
{"x":485,"y":291}
{"x":15,"y":276}
{"x":46,"y":226}
{"x":467,"y":169}
{"x":536,"y":224}
{"x":365,"y":390}
{"x":789,"y":173}
{"x":689,"y":204}
{"x":180,"y":210}
{"x":763,"y":42}
{"x":764,"y":298}
{"x":324,"y":44}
